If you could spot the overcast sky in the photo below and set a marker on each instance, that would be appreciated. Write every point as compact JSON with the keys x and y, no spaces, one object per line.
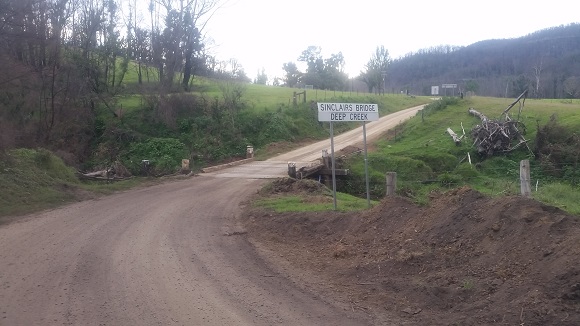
{"x":268,"y":33}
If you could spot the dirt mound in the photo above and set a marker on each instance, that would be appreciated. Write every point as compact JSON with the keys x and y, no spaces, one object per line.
{"x":291,"y":185}
{"x":349,"y":150}
{"x":467,"y":259}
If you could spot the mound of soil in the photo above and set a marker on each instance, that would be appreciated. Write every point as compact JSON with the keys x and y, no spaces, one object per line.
{"x":291,"y":185}
{"x":466,"y":259}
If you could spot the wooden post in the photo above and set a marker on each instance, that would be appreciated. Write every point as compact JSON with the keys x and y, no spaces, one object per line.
{"x":292,"y":170}
{"x":391,"y":183}
{"x":294,"y":102}
{"x":525,"y":186}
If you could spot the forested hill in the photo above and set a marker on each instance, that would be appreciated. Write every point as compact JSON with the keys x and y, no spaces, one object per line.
{"x":547,"y":61}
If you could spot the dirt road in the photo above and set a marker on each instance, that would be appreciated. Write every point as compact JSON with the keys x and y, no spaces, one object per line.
{"x":170,"y":254}
{"x":165,"y":255}
{"x":352,"y":137}
{"x":278,"y":166}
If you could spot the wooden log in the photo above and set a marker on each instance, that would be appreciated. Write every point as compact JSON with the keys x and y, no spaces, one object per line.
{"x":478,"y":114}
{"x":522,"y":95}
{"x":453,"y":135}
{"x":326,"y":171}
{"x":307,"y":171}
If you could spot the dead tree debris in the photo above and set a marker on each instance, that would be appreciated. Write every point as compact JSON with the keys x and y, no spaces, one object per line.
{"x":453,"y":135}
{"x":497,"y":136}
{"x":115,"y":172}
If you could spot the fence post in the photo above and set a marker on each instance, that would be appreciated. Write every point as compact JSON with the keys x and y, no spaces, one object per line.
{"x":292,"y":170}
{"x":391,"y":183}
{"x":525,"y":186}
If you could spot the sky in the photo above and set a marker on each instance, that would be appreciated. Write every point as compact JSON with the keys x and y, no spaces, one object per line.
{"x":268,"y":33}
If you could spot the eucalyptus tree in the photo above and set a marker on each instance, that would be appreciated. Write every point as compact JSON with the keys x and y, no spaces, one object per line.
{"x":314,"y":66}
{"x":320,"y":72}
{"x":261,"y":78}
{"x":46,"y":49}
{"x":376,"y":69}
{"x":177,"y":46}
{"x":334,"y":76}
{"x":292,"y":74}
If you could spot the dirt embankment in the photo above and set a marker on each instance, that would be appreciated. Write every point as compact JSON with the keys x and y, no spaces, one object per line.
{"x":465,"y":260}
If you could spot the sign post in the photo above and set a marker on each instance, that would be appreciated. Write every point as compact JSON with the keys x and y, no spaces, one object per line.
{"x":348,"y":112}
{"x":366,"y":165}
{"x":446,"y":86}
{"x":333,"y":166}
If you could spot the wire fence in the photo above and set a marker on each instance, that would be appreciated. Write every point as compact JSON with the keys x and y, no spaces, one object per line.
{"x":496,"y":181}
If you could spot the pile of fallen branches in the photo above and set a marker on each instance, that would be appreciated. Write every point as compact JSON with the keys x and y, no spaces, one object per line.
{"x":116,"y":172}
{"x":496,"y":136}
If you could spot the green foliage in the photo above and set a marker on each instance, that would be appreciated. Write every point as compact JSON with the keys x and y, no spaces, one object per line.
{"x":164,"y":155}
{"x":449,"y":180}
{"x":320,"y":73}
{"x":471,"y":86}
{"x":467,"y":285}
{"x":558,"y":151}
{"x":467,"y":172}
{"x":344,"y":203}
{"x":31,"y":179}
{"x":436,"y":161}
{"x":376,"y":68}
{"x":438,"y":105}
{"x":559,"y":194}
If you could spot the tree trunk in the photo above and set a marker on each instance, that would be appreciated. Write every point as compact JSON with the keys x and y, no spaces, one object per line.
{"x":187,"y":70}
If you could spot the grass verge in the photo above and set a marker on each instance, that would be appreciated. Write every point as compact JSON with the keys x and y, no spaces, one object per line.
{"x":35,"y":179}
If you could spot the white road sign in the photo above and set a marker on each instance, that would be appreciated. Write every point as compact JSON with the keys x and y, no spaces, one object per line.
{"x":347,"y":112}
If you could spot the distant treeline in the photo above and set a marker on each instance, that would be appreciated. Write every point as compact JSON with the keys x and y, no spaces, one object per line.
{"x":547,"y":62}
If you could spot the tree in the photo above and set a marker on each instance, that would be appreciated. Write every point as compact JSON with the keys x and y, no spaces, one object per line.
{"x":141,"y":51}
{"x":193,"y":48}
{"x":314,"y":66}
{"x":376,"y":69}
{"x":262,"y":78}
{"x":471,"y":86}
{"x":322,"y":73}
{"x":311,"y":56}
{"x":519,"y":85}
{"x":537,"y":74}
{"x":334,"y":77}
{"x":572,"y":87}
{"x":292,"y":74}
{"x":179,"y":48}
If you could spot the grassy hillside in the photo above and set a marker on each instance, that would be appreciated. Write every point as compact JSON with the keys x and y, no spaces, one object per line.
{"x":426,"y":159}
{"x":217,"y":120}
{"x":32,"y":180}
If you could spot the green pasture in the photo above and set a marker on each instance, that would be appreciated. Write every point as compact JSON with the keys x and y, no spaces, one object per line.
{"x":426,"y":159}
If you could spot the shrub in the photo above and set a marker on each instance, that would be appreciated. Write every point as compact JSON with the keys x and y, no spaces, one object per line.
{"x":449,"y":180}
{"x":164,"y":155}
